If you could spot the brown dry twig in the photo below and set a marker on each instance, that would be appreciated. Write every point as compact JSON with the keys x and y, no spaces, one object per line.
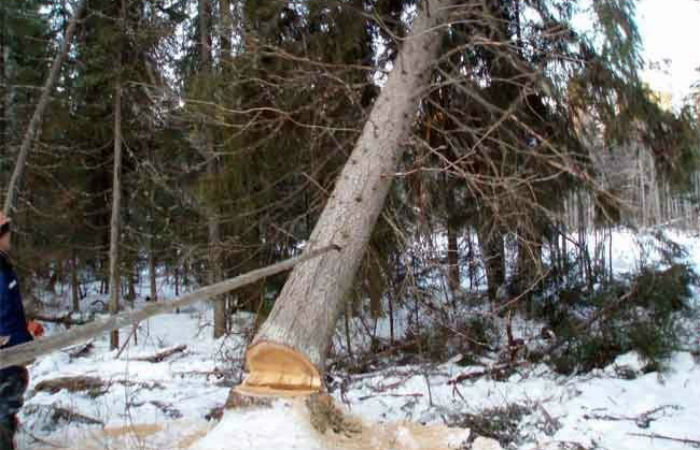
{"x":691,"y":442}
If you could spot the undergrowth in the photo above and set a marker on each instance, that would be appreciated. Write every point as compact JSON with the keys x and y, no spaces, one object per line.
{"x":637,"y":313}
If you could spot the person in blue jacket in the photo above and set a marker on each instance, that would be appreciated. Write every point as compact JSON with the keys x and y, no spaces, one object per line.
{"x":13,"y":331}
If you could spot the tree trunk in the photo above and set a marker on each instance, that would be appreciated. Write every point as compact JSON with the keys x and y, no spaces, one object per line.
{"x":528,"y":264}
{"x":213,"y":225}
{"x":226,"y":30}
{"x":152,"y":263}
{"x":131,"y":283}
{"x":3,"y":85}
{"x":74,"y":282}
{"x":152,"y":273}
{"x":215,"y":274}
{"x":35,"y":121}
{"x":492,"y":254}
{"x":114,"y":283}
{"x":289,"y":351}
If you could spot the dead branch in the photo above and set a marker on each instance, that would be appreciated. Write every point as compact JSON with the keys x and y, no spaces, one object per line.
{"x":81,"y":351}
{"x":66,"y":320}
{"x":167,"y":408}
{"x":160,"y":356}
{"x":491,"y":371}
{"x":691,"y":442}
{"x":390,"y":386}
{"x":366,"y":397}
{"x":59,"y":413}
{"x":72,"y":384}
{"x":643,"y":420}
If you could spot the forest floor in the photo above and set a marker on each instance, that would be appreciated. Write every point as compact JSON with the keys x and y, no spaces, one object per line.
{"x":168,"y":387}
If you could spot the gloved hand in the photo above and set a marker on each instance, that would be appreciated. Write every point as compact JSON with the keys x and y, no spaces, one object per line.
{"x":35,"y":328}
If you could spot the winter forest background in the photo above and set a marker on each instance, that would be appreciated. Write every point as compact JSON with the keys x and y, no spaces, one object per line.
{"x":544,"y":214}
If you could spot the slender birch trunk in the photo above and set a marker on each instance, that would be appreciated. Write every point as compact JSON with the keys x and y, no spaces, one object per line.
{"x":35,"y":122}
{"x":288,"y":353}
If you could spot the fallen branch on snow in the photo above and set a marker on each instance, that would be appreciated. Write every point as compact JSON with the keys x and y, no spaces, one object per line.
{"x":81,"y":351}
{"x":496,"y":370}
{"x":87,"y":383}
{"x":366,"y":397}
{"x":160,"y":356}
{"x":643,"y":420}
{"x":690,"y":442}
{"x":72,"y":384}
{"x":59,"y":413}
{"x":66,"y":320}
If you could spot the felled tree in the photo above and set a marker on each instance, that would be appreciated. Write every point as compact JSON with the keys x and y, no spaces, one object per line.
{"x":287,"y":355}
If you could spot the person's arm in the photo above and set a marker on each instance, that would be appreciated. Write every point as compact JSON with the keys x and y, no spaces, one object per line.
{"x":19,"y":311}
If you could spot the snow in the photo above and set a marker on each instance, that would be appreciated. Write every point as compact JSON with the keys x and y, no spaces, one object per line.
{"x":186,"y":386}
{"x":165,"y":404}
{"x":577,"y":404}
{"x":282,"y":426}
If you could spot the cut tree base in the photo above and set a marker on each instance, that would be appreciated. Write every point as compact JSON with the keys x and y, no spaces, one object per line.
{"x":278,"y":371}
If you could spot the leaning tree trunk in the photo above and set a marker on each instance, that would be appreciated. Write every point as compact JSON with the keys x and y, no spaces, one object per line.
{"x":288,"y":354}
{"x":114,"y":283}
{"x":35,"y":121}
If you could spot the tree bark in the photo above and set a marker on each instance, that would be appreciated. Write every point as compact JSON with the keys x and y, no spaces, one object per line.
{"x":492,"y":249}
{"x":453,"y":277}
{"x":213,"y":221}
{"x":22,"y":353}
{"x":288,"y":353}
{"x":75,"y":286}
{"x":114,"y":283}
{"x":3,"y":83}
{"x":152,"y":263}
{"x":152,"y":267}
{"x":226,"y":22}
{"x":35,"y":121}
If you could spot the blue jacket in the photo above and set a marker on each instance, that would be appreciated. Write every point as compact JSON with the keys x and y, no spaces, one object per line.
{"x":13,"y":323}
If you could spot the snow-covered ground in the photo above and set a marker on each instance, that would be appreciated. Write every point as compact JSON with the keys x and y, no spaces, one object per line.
{"x":169,"y":404}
